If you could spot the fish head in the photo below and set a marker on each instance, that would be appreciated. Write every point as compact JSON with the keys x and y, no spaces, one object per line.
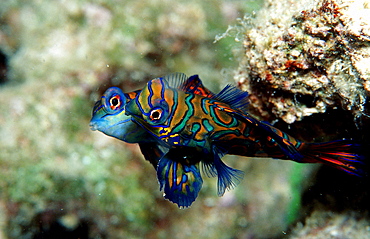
{"x":109,"y":117}
{"x":150,"y":108}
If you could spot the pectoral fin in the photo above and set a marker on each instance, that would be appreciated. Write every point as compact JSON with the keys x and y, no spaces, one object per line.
{"x":181,"y":183}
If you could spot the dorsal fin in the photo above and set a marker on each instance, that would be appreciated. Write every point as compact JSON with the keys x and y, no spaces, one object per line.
{"x":230,"y":95}
{"x":194,"y":85}
{"x":191,"y":84}
{"x":234,"y":97}
{"x":175,"y":80}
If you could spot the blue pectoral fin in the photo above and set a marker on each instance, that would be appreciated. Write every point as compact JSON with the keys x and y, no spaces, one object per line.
{"x":180,"y":183}
{"x":228,"y":178}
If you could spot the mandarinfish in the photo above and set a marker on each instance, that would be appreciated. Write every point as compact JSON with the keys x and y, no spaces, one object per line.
{"x":202,"y":128}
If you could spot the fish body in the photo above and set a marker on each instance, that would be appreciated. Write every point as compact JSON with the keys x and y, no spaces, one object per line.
{"x":201,"y":128}
{"x":180,"y":181}
{"x":219,"y":124}
{"x":202,"y":123}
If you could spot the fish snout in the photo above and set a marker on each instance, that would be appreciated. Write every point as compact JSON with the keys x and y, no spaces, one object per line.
{"x":93,"y":126}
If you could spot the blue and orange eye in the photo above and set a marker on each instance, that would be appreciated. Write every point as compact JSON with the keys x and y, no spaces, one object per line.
{"x":155,"y":114}
{"x":158,"y":114}
{"x":113,"y":100}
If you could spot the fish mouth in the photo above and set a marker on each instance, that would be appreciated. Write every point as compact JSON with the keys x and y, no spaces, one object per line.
{"x":93,"y":126}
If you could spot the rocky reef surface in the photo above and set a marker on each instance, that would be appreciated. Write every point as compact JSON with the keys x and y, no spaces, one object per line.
{"x":305,"y":57}
{"x":305,"y":65}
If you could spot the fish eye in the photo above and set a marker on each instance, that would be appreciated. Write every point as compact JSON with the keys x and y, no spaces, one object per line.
{"x":155,"y":114}
{"x":115,"y":102}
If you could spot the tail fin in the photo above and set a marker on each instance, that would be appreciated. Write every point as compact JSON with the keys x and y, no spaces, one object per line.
{"x":342,"y":154}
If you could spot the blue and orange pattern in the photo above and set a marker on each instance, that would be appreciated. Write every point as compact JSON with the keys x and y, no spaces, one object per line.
{"x":181,"y":126}
{"x":219,"y":124}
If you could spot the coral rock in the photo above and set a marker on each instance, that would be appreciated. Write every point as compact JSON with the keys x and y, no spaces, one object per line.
{"x":303,"y":57}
